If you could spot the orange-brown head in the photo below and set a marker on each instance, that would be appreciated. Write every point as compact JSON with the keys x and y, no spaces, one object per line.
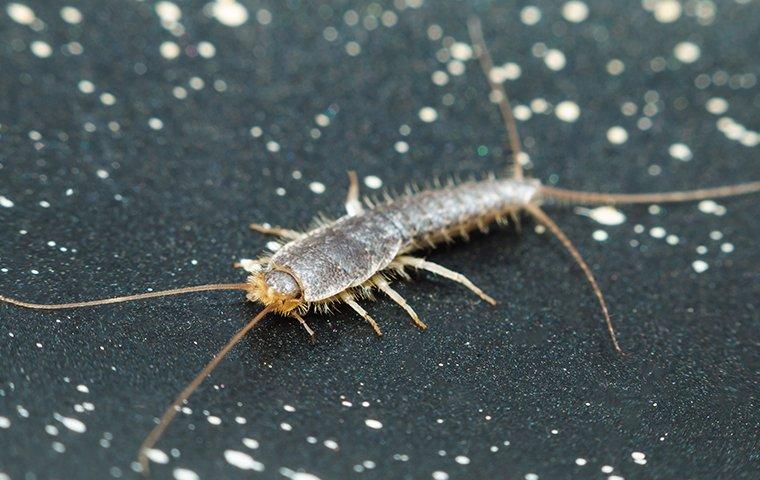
{"x":276,"y":287}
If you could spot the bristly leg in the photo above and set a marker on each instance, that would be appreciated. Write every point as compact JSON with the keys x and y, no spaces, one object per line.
{"x":353,"y":205}
{"x":276,"y":231}
{"x":544,"y":219}
{"x":383,"y":285}
{"x":305,"y":325}
{"x":346,"y":297}
{"x":431,"y":267}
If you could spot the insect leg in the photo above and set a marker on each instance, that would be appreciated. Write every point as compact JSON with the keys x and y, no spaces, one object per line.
{"x":486,"y":63}
{"x":382,"y":284}
{"x":304,"y":325}
{"x":353,"y":206}
{"x":358,"y":309}
{"x":543,"y":218}
{"x":276,"y":231}
{"x":423,"y":264}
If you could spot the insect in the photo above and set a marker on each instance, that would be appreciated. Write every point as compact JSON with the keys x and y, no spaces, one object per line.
{"x":345,"y":260}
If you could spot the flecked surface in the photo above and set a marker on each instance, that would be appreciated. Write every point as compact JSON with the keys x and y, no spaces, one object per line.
{"x":137,"y":140}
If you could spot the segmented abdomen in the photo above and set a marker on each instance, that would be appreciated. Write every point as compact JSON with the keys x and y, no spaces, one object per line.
{"x":430,"y":215}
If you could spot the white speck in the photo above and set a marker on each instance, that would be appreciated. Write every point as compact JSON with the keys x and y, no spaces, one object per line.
{"x":672,"y":239}
{"x":580,"y":462}
{"x":373,"y":182}
{"x":616,"y":67}
{"x":530,"y":15}
{"x":567,"y":111}
{"x":539,"y":105}
{"x":242,"y":461}
{"x":699,"y":266}
{"x":331,"y":444}
{"x":102,"y":174}
{"x":155,"y":123}
{"x":600,"y":235}
{"x":168,"y":12}
{"x":317,"y":187}
{"x":462,"y":460}
{"x":83,"y":388}
{"x":289,"y":408}
{"x":251,"y":443}
{"x":196,"y":83}
{"x":157,"y":456}
{"x":214,"y":420}
{"x":615,"y":477}
{"x":617,"y":135}
{"x":687,"y":52}
{"x":273,"y":246}
{"x":531,"y":476}
{"x":667,"y":11}
{"x":716,"y":235}
{"x":401,"y":146}
{"x":455,"y":67}
{"x":169,"y":50}
{"x":240,"y":420}
{"x":727,"y":247}
{"x":20,"y":13}
{"x":229,"y":12}
{"x":5,"y":202}
{"x":555,"y":59}
{"x":439,"y":475}
{"x":41,"y":49}
{"x":264,"y":16}
{"x":717,"y":106}
{"x":461,"y":51}
{"x":107,"y":98}
{"x":657,"y":232}
{"x":638,"y":456}
{"x":322,"y":120}
{"x":206,"y":49}
{"x":71,"y":423}
{"x":256,"y":132}
{"x":440,"y":78}
{"x":701,"y":249}
{"x":273,"y":146}
{"x":605,"y":215}
{"x":286,"y":472}
{"x":575,"y":11}
{"x":5,"y":422}
{"x":680,"y":151}
{"x":376,"y":424}
{"x":86,"y":86}
{"x":185,"y":474}
{"x":522,"y":112}
{"x":428,"y":114}
{"x":71,"y":15}
{"x":286,"y":426}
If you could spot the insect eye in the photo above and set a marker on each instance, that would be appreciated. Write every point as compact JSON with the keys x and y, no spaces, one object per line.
{"x":283,"y":283}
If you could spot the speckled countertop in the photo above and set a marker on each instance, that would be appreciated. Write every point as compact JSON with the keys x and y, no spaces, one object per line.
{"x":138,"y":139}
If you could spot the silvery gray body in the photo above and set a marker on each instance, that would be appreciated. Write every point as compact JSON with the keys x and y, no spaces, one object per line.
{"x":350,"y":251}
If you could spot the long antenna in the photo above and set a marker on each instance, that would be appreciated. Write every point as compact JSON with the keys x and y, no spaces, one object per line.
{"x":128,"y":298}
{"x":486,"y":63}
{"x":543,"y":218}
{"x":174,"y":408}
{"x":573,"y":196}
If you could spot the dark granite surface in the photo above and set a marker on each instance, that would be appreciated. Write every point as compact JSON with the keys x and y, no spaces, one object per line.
{"x":97,"y":200}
